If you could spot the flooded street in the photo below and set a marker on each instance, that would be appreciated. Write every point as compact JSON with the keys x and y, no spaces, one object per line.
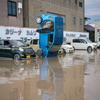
{"x":66,"y":77}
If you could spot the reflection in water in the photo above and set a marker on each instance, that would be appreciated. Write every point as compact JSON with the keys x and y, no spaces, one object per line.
{"x":28,"y":80}
{"x":66,"y":77}
{"x":92,"y":79}
{"x":51,"y":79}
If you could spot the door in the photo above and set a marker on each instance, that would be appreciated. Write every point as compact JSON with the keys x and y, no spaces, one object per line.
{"x":1,"y":48}
{"x":83,"y":44}
{"x":43,"y":43}
{"x":75,"y":43}
{"x":7,"y":49}
{"x":79,"y":44}
{"x":35,"y":44}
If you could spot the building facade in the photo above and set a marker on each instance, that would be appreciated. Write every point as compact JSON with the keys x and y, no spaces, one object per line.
{"x":71,"y":10}
{"x":11,"y":13}
{"x":23,"y":13}
{"x":97,"y":31}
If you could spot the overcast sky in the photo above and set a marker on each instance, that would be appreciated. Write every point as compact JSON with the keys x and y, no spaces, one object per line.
{"x":92,"y":10}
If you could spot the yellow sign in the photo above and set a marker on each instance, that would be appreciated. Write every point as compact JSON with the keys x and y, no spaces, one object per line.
{"x":28,"y":56}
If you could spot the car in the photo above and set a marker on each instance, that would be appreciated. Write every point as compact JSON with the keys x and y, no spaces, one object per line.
{"x":83,"y":44}
{"x":66,"y":48}
{"x":35,"y":44}
{"x":15,"y":49}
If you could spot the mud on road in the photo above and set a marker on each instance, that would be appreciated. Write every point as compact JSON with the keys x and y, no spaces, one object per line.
{"x":66,"y":77}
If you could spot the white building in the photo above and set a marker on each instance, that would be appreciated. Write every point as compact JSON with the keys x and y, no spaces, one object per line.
{"x":97,"y":31}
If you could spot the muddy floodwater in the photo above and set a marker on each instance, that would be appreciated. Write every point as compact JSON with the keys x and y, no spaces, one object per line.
{"x":66,"y":77}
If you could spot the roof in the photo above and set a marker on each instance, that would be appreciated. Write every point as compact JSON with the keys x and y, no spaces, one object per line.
{"x":86,"y":18}
{"x":89,"y":28}
{"x":93,"y":25}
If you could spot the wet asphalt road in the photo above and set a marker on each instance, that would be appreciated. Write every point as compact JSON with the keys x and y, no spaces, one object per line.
{"x":66,"y":77}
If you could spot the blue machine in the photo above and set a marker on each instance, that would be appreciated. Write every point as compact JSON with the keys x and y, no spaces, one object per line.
{"x":50,"y":34}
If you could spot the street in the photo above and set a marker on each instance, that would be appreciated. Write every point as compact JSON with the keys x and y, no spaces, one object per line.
{"x":73,"y":76}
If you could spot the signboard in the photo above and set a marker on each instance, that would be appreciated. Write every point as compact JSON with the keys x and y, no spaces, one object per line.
{"x":25,"y":34}
{"x":68,"y":35}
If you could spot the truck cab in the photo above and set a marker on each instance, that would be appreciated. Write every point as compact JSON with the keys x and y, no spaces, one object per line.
{"x":50,"y":34}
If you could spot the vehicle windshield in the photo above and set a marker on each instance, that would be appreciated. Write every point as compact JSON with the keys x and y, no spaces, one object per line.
{"x":18,"y":43}
{"x":88,"y":41}
{"x":47,"y":26}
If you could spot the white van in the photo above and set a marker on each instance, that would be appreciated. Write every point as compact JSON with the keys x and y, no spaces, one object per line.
{"x":83,"y":43}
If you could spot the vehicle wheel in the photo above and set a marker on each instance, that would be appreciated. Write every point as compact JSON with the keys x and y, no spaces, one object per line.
{"x":16,"y":57}
{"x":39,"y":52}
{"x":89,"y":49}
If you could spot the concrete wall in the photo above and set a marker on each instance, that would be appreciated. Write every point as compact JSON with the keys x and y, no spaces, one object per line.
{"x":7,"y":20}
{"x":61,"y":7}
{"x":32,"y":8}
{"x":97,"y":30}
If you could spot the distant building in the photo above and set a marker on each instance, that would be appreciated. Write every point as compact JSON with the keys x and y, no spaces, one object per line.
{"x":89,"y":28}
{"x":23,"y":13}
{"x":97,"y":31}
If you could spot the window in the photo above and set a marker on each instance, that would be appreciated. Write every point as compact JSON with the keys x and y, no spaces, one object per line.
{"x":75,"y":1}
{"x":48,"y":26}
{"x":12,"y":11}
{"x":76,"y":41}
{"x":35,"y":41}
{"x":1,"y":42}
{"x":82,"y":41}
{"x":6,"y":43}
{"x":69,"y":1}
{"x":50,"y":40}
{"x":80,"y":4}
{"x":31,"y":41}
{"x":79,"y":41}
{"x":74,"y":20}
{"x":80,"y":21}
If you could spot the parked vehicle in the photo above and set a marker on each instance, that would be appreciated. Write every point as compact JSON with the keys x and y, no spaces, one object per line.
{"x":35,"y":44}
{"x":83,"y":43}
{"x":66,"y":48}
{"x":15,"y":49}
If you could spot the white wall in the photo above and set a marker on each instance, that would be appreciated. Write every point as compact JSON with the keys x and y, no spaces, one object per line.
{"x":68,"y":35}
{"x":97,"y":30}
{"x":25,"y":34}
